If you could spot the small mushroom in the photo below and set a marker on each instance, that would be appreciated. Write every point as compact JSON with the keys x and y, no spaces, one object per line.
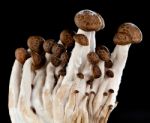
{"x":66,"y":37}
{"x":80,"y":75}
{"x":21,"y":55}
{"x":37,"y":60}
{"x":103,"y":53}
{"x":93,"y":58}
{"x":110,"y":73}
{"x":108,"y":64}
{"x":58,"y":49}
{"x":48,"y":44}
{"x":35,"y":43}
{"x":96,"y":71}
{"x":64,"y":58}
{"x":81,"y":39}
{"x":55,"y":60}
{"x":127,"y":33}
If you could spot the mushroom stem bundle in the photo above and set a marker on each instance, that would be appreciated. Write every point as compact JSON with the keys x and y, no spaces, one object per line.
{"x":51,"y":86}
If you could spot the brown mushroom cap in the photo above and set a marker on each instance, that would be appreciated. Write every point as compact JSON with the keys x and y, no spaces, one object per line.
{"x":128,"y":33}
{"x":109,"y":63}
{"x":58,"y":49}
{"x":48,"y":44}
{"x":21,"y":55}
{"x":103,"y":52}
{"x":81,"y":39}
{"x":55,"y":60}
{"x":37,"y":60}
{"x":96,"y":71}
{"x":64,"y":58}
{"x":88,"y":20}
{"x":66,"y":37}
{"x":35,"y":43}
{"x":93,"y":58}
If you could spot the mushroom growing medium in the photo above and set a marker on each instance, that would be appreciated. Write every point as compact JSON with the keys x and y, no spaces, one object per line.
{"x":52,"y":85}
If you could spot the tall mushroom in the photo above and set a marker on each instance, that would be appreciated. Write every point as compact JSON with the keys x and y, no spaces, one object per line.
{"x":127,"y":34}
{"x":14,"y":86}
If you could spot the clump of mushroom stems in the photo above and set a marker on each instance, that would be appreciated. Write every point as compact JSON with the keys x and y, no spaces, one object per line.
{"x":51,"y":84}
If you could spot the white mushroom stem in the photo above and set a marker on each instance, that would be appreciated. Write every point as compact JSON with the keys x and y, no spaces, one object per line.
{"x":60,"y":66}
{"x":37,"y":91}
{"x":14,"y":88}
{"x":48,"y":56}
{"x":48,"y":87}
{"x":24,"y":102}
{"x":58,"y":84}
{"x":50,"y":80}
{"x":79,"y":55}
{"x":70,"y":106}
{"x":119,"y":58}
{"x":97,"y":82}
{"x":83,"y":113}
{"x":14,"y":84}
{"x":57,"y":70}
{"x":102,"y":112}
{"x":99,"y":96}
{"x":59,"y":102}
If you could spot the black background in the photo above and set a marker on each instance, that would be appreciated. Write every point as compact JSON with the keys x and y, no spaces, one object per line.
{"x":22,"y":19}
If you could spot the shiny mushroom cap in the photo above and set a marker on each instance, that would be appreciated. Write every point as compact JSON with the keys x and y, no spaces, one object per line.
{"x":128,"y":33}
{"x":88,"y":20}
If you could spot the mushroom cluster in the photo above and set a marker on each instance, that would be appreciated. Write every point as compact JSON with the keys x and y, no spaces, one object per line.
{"x":50,"y":83}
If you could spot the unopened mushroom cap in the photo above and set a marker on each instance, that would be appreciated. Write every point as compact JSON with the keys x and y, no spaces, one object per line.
{"x":93,"y":58}
{"x":38,"y":60}
{"x":81,"y":39}
{"x":21,"y":55}
{"x":128,"y":33}
{"x":88,"y":20}
{"x":103,"y":52}
{"x":58,"y":49}
{"x":64,"y":58}
{"x":55,"y":60}
{"x":96,"y":71}
{"x":66,"y":37}
{"x":48,"y":44}
{"x":35,"y":43}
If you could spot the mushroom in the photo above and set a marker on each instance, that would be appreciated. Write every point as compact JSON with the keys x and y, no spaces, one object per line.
{"x":24,"y":103}
{"x":119,"y":58}
{"x":88,"y":23}
{"x":128,"y":33}
{"x":47,"y":46}
{"x":66,"y":37}
{"x":14,"y":86}
{"x":35,"y":43}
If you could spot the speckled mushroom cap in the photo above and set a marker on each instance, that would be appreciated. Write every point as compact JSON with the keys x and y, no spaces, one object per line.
{"x":88,"y":20}
{"x":35,"y":43}
{"x":66,"y":37}
{"x":81,"y":39}
{"x":128,"y":33}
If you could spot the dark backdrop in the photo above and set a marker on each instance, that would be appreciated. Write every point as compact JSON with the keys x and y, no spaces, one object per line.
{"x":21,"y":19}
